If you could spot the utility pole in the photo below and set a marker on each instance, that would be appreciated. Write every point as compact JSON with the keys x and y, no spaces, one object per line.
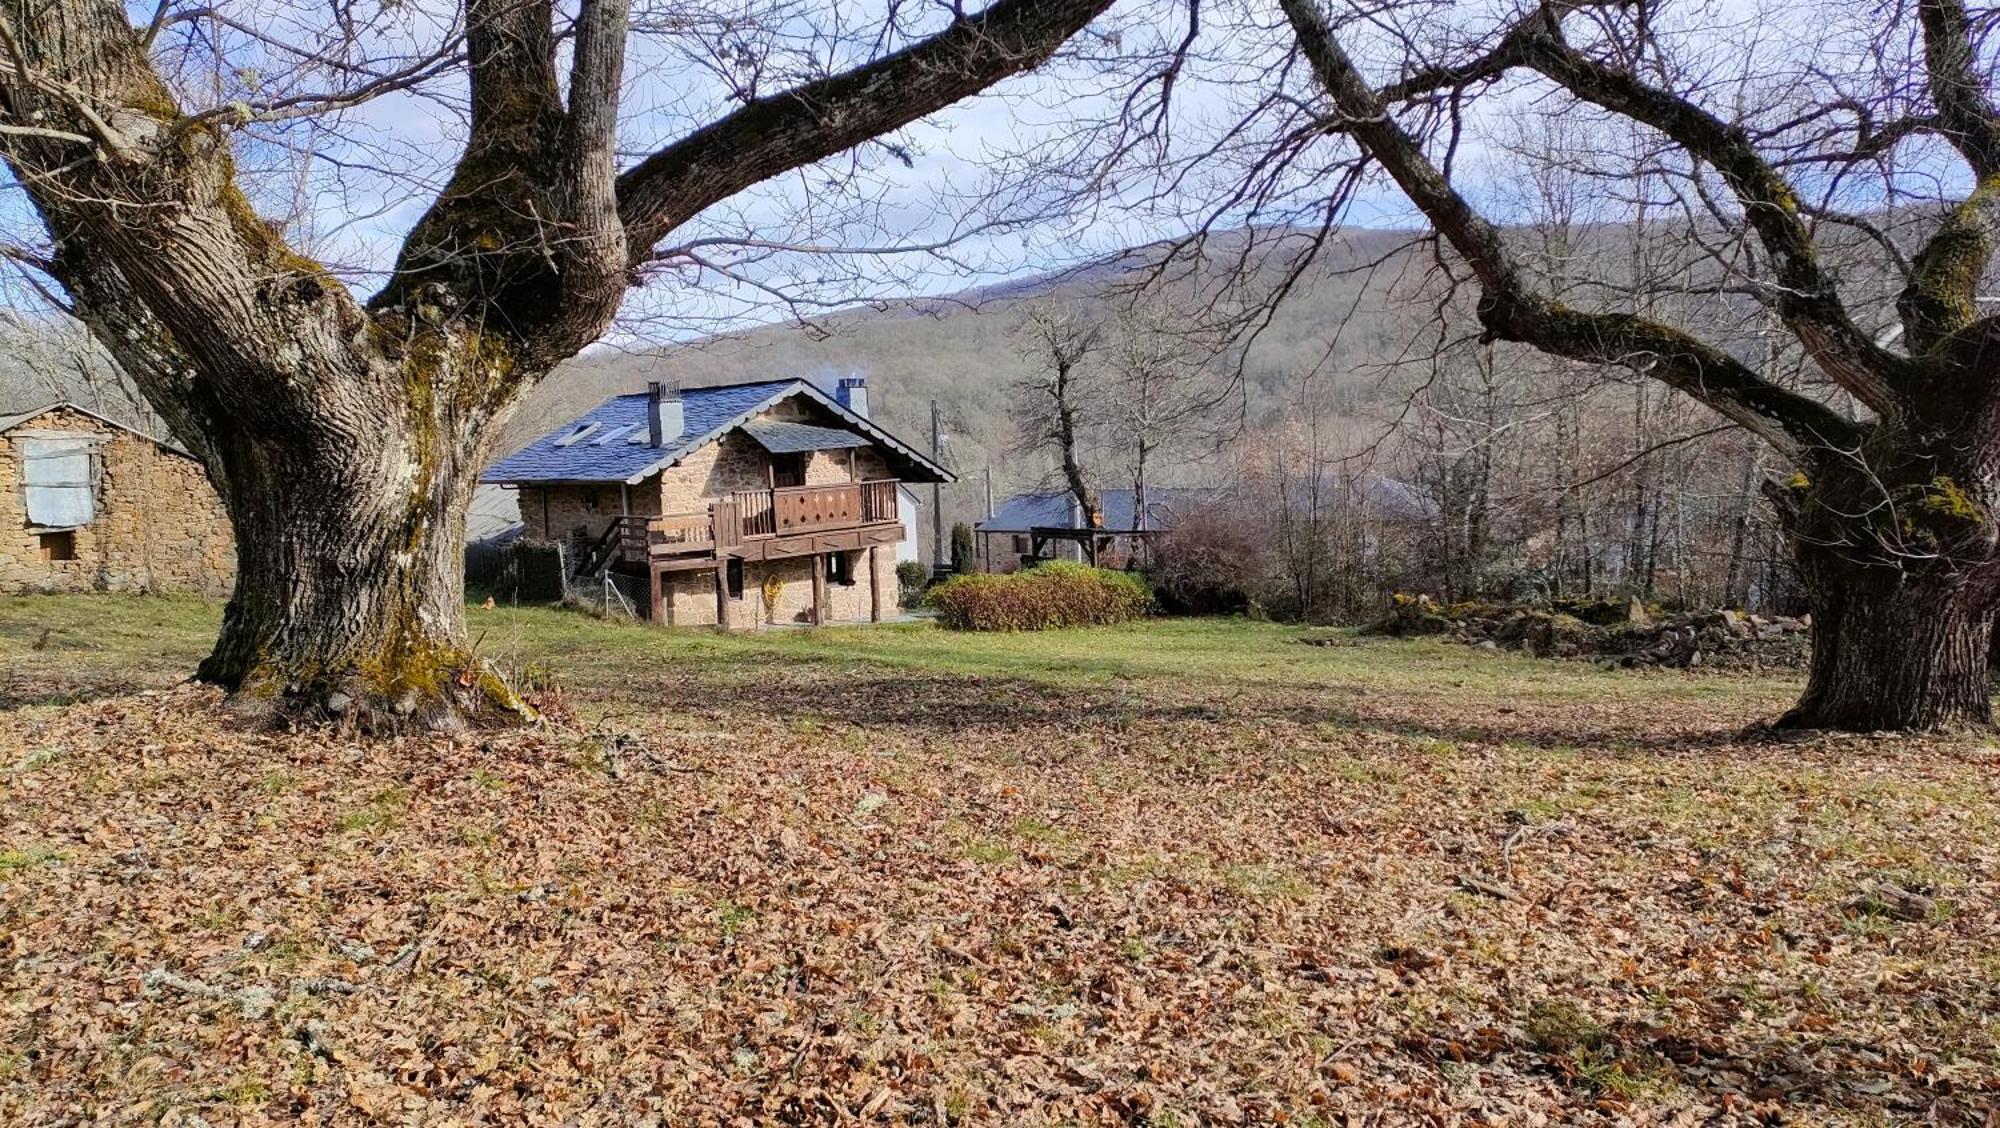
{"x":989,"y":493}
{"x":937,"y":494}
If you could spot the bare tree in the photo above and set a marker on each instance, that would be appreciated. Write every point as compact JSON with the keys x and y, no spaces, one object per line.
{"x":1892,"y":510}
{"x":1164,"y":387}
{"x":345,"y":432}
{"x":1057,"y":408}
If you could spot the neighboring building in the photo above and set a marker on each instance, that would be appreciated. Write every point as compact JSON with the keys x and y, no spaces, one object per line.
{"x":494,"y":517}
{"x":710,"y":494}
{"x":87,"y":504}
{"x":1008,"y":539}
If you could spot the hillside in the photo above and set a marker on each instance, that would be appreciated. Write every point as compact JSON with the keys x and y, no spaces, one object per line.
{"x":961,"y":350}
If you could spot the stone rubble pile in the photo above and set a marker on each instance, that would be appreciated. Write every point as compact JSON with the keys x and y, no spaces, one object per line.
{"x":1628,"y":634}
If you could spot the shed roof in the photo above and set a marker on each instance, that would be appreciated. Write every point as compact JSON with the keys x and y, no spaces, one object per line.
{"x":1056,"y":510}
{"x":707,"y":413}
{"x":15,"y":420}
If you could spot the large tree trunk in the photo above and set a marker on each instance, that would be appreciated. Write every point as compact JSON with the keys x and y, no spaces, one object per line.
{"x":350,"y":539}
{"x":1899,"y":553}
{"x":1913,"y":658}
{"x":349,"y":596}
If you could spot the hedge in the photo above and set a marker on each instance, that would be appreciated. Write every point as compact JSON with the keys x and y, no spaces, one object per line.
{"x":1053,"y":595}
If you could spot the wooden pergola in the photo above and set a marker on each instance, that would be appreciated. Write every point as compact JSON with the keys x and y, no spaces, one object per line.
{"x":1092,"y":541}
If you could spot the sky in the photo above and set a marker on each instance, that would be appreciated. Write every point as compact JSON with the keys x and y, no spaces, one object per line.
{"x":997,"y":173}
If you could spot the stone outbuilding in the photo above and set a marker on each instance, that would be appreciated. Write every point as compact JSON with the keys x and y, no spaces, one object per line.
{"x":88,"y":504}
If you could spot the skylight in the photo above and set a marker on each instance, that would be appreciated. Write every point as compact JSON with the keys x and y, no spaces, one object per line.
{"x":573,"y":436}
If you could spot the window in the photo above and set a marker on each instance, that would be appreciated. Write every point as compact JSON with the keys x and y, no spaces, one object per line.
{"x":57,"y":479}
{"x":788,"y":470}
{"x":57,"y":546}
{"x":735,"y":577}
{"x":840,"y":569}
{"x":590,"y":501}
{"x":581,"y":431}
{"x":1021,"y":545}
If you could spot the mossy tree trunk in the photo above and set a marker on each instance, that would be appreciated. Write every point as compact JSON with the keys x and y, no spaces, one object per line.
{"x":1898,"y":548}
{"x":345,"y":435}
{"x":1892,"y":511}
{"x":350,"y":544}
{"x":1901,"y":658}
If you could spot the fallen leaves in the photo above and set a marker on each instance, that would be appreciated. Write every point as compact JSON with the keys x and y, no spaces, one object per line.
{"x":1108,"y":905}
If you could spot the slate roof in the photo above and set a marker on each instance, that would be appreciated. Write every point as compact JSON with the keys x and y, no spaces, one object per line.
{"x":1027,"y":511}
{"x":782,"y":437}
{"x":615,"y":448}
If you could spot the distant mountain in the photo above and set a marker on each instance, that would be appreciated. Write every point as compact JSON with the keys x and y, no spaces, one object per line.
{"x":961,"y":350}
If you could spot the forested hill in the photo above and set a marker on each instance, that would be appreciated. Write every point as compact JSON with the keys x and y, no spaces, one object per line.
{"x":963,"y":350}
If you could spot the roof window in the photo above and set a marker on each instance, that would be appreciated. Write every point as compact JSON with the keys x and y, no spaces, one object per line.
{"x":572,"y":438}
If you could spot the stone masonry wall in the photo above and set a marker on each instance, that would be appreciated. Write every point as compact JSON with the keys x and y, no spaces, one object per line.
{"x":566,"y":512}
{"x":158,"y":525}
{"x":690,"y":596}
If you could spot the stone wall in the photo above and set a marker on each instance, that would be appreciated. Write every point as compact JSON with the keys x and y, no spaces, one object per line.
{"x":158,"y":525}
{"x":690,"y":596}
{"x":570,"y":512}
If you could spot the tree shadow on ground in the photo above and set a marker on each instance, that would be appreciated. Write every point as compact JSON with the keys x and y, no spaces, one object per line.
{"x":941,"y":706}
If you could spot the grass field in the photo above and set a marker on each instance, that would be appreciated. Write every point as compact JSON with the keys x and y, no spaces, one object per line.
{"x":1179,"y":873}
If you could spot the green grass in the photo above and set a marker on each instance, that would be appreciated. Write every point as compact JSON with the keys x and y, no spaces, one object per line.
{"x":114,"y":643}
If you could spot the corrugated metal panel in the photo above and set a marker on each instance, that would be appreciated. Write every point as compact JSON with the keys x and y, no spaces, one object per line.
{"x":56,"y":481}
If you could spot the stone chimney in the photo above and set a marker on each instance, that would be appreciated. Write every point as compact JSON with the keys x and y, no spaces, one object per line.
{"x":852,"y":394}
{"x":666,"y":418}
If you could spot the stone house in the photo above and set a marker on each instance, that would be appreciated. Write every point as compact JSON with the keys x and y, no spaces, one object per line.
{"x":738,"y":505}
{"x":88,"y":504}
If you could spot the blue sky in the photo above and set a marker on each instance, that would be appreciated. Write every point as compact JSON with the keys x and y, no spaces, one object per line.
{"x":351,"y":184}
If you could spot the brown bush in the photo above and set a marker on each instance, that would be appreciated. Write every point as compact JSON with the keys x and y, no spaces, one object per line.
{"x":1051,"y":596}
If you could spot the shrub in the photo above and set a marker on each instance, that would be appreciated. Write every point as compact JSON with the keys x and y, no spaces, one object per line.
{"x":911,"y":576}
{"x":963,"y":552}
{"x":1057,"y":594}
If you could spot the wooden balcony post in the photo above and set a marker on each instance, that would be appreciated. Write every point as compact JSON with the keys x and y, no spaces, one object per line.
{"x":875,"y":583}
{"x":819,"y":589}
{"x":659,"y":601}
{"x":722,"y":593}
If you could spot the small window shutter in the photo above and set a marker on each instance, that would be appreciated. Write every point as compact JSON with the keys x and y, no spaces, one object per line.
{"x":55,"y":476}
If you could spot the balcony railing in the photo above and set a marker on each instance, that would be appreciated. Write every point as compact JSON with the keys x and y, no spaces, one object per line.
{"x":804,"y":509}
{"x":750,"y":514}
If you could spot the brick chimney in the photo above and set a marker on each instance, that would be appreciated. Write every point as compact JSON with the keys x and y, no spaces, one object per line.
{"x":852,"y":394}
{"x":666,"y":418}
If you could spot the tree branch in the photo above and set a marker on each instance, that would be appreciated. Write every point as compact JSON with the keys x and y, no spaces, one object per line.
{"x":1939,"y":301}
{"x":784,"y":131}
{"x":1808,"y":300}
{"x":1509,"y":310}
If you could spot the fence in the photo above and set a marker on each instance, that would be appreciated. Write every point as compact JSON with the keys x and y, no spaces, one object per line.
{"x":519,"y":571}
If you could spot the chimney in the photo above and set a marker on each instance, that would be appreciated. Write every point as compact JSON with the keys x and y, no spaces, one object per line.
{"x":665,"y":417}
{"x":853,"y":394}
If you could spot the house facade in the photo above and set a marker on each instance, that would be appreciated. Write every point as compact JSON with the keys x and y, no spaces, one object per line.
{"x":764,"y":503}
{"x":87,"y":504}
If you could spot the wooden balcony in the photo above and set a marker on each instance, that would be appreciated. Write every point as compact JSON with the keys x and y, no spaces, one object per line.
{"x":766,"y":524}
